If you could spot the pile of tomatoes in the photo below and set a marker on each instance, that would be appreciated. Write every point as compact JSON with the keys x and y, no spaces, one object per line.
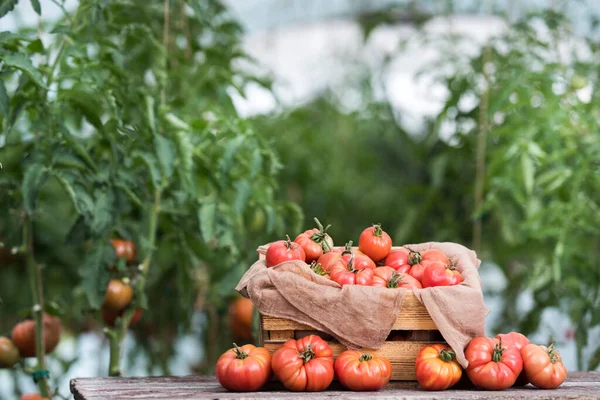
{"x":494,"y":364}
{"x":374,"y":263}
{"x":303,"y":365}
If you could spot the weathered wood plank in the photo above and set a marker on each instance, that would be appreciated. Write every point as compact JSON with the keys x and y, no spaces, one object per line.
{"x":413,"y":316}
{"x":579,"y":385}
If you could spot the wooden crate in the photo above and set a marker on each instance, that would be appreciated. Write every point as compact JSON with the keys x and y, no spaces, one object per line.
{"x":412,"y":330}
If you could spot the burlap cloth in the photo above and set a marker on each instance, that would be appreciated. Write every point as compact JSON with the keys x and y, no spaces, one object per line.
{"x":361,"y":316}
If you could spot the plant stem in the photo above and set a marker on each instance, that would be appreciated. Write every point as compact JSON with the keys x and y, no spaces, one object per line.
{"x":163,"y":91}
{"x":115,"y":353}
{"x":35,"y":282}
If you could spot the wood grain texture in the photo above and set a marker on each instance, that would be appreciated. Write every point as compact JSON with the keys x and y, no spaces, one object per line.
{"x":413,"y":316}
{"x":579,"y":385}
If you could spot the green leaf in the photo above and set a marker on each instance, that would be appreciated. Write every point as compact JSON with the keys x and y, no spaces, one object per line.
{"x":242,"y":194}
{"x":4,"y":101}
{"x":7,"y":6}
{"x":594,"y":360}
{"x":36,"y":46}
{"x":152,"y":166}
{"x":78,"y":232}
{"x":207,"y":216}
{"x":36,"y":6}
{"x":61,"y":29}
{"x":165,"y":152}
{"x":185,"y":149}
{"x":88,"y":104}
{"x":95,"y":274}
{"x":177,"y":123}
{"x":23,"y":63}
{"x":8,"y":36}
{"x":231,"y":149}
{"x":34,"y":179}
{"x":150,"y":113}
{"x":255,"y":164}
{"x":102,"y":218}
{"x":528,"y":170}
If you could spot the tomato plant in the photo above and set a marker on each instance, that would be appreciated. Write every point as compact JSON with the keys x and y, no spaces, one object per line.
{"x":437,"y":368}
{"x":375,"y":243}
{"x":390,"y":278}
{"x":241,"y":313}
{"x":438,"y":273}
{"x":517,"y":340}
{"x":543,"y":366}
{"x":284,"y":250}
{"x":345,"y":273}
{"x":305,"y":364}
{"x":360,"y":371}
{"x":124,"y":249}
{"x":118,"y":295}
{"x":492,"y":366}
{"x":244,"y":369}
{"x":23,"y":336}
{"x":9,"y":353}
{"x":110,"y":316}
{"x":398,"y":259}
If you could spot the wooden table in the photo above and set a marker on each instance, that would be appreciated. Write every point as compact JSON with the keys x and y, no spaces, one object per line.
{"x":579,"y":385}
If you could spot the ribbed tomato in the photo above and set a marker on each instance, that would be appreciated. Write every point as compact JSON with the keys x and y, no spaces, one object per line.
{"x":491,"y":365}
{"x":23,"y":335}
{"x":398,"y":259}
{"x":419,"y":261}
{"x":9,"y":353}
{"x":284,"y":250}
{"x":390,"y":278}
{"x":344,"y":273}
{"x":244,"y":369}
{"x":360,"y":261}
{"x":439,"y":273}
{"x":375,"y":242}
{"x":437,"y":368}
{"x":305,"y":364}
{"x":519,"y":341}
{"x":315,"y":242}
{"x":118,"y":295}
{"x":543,"y":366}
{"x":360,"y":371}
{"x":328,"y":260}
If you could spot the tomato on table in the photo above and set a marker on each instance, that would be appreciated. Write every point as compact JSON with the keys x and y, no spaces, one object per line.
{"x":284,"y":250}
{"x":388,"y":277}
{"x":491,"y":365}
{"x":375,"y":243}
{"x":519,"y":341}
{"x":244,"y":369}
{"x":305,"y":364}
{"x":360,"y":371}
{"x":439,"y":273}
{"x":543,"y":366}
{"x":437,"y":368}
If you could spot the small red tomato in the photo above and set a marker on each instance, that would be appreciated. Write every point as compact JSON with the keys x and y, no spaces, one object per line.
{"x":375,"y":243}
{"x":124,"y":249}
{"x":9,"y":353}
{"x":398,"y":259}
{"x":437,"y":368}
{"x":23,"y":335}
{"x":519,"y":341}
{"x":344,"y":273}
{"x":492,"y":366}
{"x":390,"y":278}
{"x":360,"y":371}
{"x":284,"y":250}
{"x":328,"y":260}
{"x":305,"y":364}
{"x":419,"y":261}
{"x":244,"y":369}
{"x":543,"y":366}
{"x":438,"y":273}
{"x":118,"y":295}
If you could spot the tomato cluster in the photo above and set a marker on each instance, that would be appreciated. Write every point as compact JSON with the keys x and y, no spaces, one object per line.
{"x":494,"y":364}
{"x":373,"y":263}
{"x":303,"y":365}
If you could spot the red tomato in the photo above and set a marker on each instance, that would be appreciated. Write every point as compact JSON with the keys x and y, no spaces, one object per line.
{"x":312,"y":249}
{"x":344,"y":273}
{"x":23,"y":335}
{"x":419,"y":261}
{"x":492,"y":366}
{"x":9,"y":353}
{"x":438,"y":273}
{"x":241,"y":314}
{"x":519,"y":341}
{"x":284,"y":250}
{"x":32,"y":396}
{"x":118,"y":295}
{"x":124,"y":249}
{"x":305,"y":364}
{"x":390,"y":278}
{"x":437,"y":368}
{"x":360,"y":261}
{"x":543,"y":366}
{"x":328,"y":260}
{"x":375,"y":243}
{"x":110,"y":316}
{"x":360,"y":371}
{"x":244,"y":369}
{"x":398,"y":259}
